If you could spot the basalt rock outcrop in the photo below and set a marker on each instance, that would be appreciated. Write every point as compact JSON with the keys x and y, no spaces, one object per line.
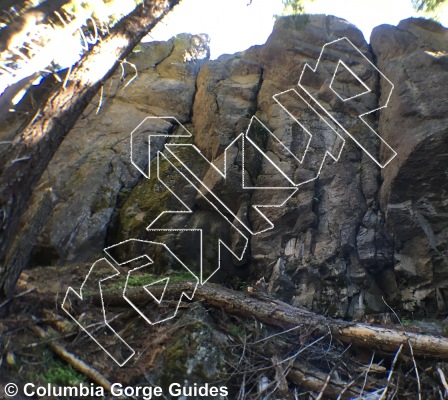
{"x":345,"y":243}
{"x":414,"y":55}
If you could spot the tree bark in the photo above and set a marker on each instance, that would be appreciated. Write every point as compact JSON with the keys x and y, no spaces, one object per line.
{"x":20,"y":251}
{"x":29,"y":155}
{"x":277,"y":313}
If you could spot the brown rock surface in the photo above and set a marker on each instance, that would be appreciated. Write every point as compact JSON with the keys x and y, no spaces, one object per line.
{"x":414,"y":55}
{"x":345,"y":239}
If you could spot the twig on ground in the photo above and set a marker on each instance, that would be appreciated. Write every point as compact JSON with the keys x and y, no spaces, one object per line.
{"x":17,"y":296}
{"x":71,"y":359}
{"x":416,"y":372}
{"x":383,"y":396}
{"x":327,"y":381}
{"x":367,"y":373}
{"x":443,"y":380}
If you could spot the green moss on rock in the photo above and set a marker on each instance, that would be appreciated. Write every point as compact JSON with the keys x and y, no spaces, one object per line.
{"x":195,"y":354}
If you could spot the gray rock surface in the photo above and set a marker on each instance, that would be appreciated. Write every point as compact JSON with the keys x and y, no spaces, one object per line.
{"x":92,"y":170}
{"x":413,"y":195}
{"x":344,"y":241}
{"x":195,"y":356}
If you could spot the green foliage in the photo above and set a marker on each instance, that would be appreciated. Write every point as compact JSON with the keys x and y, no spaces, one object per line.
{"x":428,"y":6}
{"x":46,"y":368}
{"x":237,"y":331}
{"x":292,"y":7}
{"x":63,"y":374}
{"x":146,"y":279}
{"x":143,"y":279}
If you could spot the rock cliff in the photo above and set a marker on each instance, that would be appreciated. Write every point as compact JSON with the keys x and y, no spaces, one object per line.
{"x":344,"y":243}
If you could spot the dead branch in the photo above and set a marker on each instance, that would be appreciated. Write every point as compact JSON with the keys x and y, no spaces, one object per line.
{"x":443,"y":380}
{"x":277,"y":313}
{"x":71,"y":359}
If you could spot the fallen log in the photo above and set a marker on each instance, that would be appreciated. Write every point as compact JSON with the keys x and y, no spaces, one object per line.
{"x":277,"y":313}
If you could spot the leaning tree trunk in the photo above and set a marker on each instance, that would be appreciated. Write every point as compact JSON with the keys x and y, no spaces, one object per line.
{"x":24,"y":161}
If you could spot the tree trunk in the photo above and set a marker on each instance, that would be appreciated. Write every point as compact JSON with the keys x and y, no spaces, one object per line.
{"x":28,"y":157}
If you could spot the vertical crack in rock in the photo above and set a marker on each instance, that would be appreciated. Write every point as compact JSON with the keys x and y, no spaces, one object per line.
{"x":344,"y":241}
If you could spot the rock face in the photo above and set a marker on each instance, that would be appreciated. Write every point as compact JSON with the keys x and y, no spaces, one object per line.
{"x":413,"y":196}
{"x":352,"y":234}
{"x":92,"y":170}
{"x":195,"y":358}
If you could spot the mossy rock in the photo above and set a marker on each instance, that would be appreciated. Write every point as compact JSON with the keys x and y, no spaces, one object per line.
{"x":195,"y":353}
{"x":150,"y":198}
{"x":147,"y":201}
